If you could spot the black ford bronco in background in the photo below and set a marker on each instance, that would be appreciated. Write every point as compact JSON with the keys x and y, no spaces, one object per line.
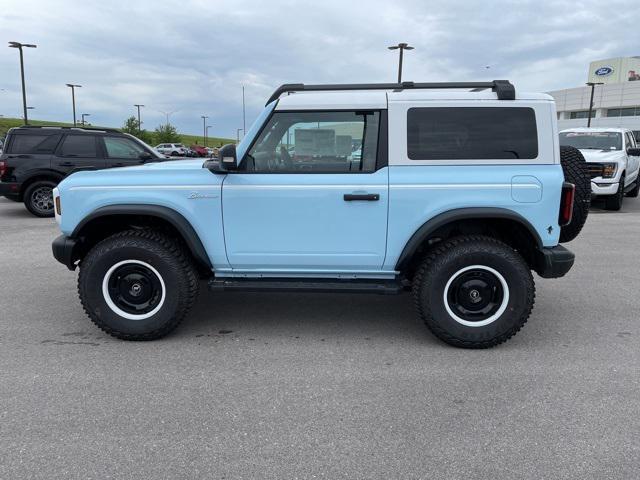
{"x":36,"y":158}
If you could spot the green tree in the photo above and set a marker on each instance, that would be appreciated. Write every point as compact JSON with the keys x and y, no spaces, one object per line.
{"x":166,"y":134}
{"x":132,"y":127}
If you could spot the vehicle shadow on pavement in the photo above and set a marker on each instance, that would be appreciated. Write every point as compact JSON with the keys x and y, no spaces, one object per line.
{"x":330,"y":316}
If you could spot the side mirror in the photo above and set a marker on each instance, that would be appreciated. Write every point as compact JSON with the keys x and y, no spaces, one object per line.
{"x":144,"y":156}
{"x":634,"y":152}
{"x":228,"y":158}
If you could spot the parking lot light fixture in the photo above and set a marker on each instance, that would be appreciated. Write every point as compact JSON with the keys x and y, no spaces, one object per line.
{"x":84,"y":115}
{"x":402,"y":47}
{"x":73,"y":87}
{"x":593,"y":86}
{"x":204,"y":129}
{"x":207,"y":134}
{"x":20,"y":46}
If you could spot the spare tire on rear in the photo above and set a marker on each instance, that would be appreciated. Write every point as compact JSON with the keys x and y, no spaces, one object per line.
{"x":575,"y":171}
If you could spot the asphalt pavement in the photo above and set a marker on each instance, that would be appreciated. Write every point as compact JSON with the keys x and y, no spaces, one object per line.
{"x":321,"y":385}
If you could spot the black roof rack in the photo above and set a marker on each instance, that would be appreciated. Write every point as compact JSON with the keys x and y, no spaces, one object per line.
{"x":95,"y":129}
{"x":503,"y":88}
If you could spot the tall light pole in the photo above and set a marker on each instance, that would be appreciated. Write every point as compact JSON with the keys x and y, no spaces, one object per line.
{"x":402,"y":47}
{"x":167,"y":114}
{"x":593,"y":86}
{"x":204,"y":129}
{"x":238,"y":130}
{"x":138,"y":106}
{"x":84,"y":115}
{"x":206,"y":134}
{"x":19,"y":46}
{"x":244,"y":116}
{"x":73,"y":99}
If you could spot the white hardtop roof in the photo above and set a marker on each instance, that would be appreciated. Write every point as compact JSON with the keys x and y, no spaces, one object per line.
{"x":595,"y":129}
{"x":377,"y":99}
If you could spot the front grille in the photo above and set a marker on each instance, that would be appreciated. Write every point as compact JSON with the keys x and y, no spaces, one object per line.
{"x":595,"y":169}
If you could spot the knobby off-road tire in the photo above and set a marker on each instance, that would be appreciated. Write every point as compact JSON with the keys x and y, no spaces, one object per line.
{"x":137,"y":284}
{"x":474,"y":291}
{"x":614,"y":202}
{"x":575,"y":171}
{"x":38,"y":198}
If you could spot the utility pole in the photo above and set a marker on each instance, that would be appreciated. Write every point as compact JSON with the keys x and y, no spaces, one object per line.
{"x":593,"y":86}
{"x":204,"y":129}
{"x":73,"y":99}
{"x":402,"y":47}
{"x":138,"y":106}
{"x":19,"y":46}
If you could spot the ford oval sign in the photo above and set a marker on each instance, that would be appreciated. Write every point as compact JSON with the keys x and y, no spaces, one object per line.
{"x":604,"y":71}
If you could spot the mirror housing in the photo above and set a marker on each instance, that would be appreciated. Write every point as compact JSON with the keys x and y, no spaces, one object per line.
{"x":227,"y":160}
{"x":634,"y":152}
{"x":227,"y":157}
{"x":145,"y":156}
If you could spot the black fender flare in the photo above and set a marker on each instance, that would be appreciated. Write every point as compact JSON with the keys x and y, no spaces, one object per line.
{"x":443,"y":218}
{"x":176,"y":219}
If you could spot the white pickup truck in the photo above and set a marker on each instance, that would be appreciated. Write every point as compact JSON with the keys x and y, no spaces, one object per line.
{"x":613,"y":159}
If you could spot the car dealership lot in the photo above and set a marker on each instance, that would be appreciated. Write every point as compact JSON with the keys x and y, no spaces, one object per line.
{"x":331,"y":386}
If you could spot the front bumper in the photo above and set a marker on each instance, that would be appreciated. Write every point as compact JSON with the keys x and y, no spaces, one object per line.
{"x":604,"y":188}
{"x":64,"y":250}
{"x":553,"y":262}
{"x":10,"y":189}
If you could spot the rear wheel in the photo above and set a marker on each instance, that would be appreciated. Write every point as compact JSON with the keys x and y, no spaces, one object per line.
{"x":575,"y":171}
{"x":38,"y":198}
{"x":137,"y":285}
{"x":614,"y":202}
{"x":474,"y":291}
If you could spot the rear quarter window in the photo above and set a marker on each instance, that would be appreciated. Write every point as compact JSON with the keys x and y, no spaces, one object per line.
{"x":472,"y":133}
{"x":33,"y":144}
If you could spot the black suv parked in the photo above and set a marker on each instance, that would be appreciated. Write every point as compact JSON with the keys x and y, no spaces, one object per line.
{"x":36,"y":159}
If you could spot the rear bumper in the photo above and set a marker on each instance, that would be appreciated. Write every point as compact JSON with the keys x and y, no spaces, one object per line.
{"x":63,"y":251}
{"x":10,"y":189}
{"x":553,"y":262}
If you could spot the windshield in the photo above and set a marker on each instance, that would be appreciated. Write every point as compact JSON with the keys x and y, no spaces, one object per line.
{"x":243,"y":146}
{"x":592,"y":140}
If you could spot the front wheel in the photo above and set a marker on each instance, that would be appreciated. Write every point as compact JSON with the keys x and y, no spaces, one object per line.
{"x":137,"y":284}
{"x":474,"y":291}
{"x":614,"y":202}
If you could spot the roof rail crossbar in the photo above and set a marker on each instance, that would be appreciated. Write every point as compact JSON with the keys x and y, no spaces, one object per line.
{"x":503,"y":88}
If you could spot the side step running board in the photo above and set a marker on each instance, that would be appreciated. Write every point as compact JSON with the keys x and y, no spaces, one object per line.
{"x":382,"y":287}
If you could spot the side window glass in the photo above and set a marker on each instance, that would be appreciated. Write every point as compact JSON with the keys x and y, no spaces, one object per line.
{"x":118,"y":147}
{"x":34,"y":144}
{"x":79,"y":146}
{"x":328,"y":142}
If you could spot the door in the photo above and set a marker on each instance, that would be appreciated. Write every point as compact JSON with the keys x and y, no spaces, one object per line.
{"x":78,"y":152}
{"x":310,"y":196}
{"x":122,"y":152}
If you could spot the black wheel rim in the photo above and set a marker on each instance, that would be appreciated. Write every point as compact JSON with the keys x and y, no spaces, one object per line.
{"x":135,"y":289}
{"x":475,"y":295}
{"x":42,"y":200}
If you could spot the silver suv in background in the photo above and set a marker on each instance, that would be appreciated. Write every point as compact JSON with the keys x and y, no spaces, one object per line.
{"x":613,"y":160}
{"x":173,"y":149}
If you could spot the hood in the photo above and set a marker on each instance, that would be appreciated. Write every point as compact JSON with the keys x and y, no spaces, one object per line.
{"x":168,"y":165}
{"x":602,"y":155}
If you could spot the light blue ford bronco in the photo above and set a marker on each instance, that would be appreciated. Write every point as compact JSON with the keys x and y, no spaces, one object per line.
{"x":454,"y":191}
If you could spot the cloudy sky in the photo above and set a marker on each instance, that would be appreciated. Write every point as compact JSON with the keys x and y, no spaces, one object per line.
{"x":193,"y":56}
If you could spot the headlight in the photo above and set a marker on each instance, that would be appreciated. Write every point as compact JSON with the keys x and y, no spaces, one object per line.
{"x":609,"y":170}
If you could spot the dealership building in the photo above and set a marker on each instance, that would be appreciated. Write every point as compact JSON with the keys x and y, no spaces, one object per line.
{"x":616,"y":103}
